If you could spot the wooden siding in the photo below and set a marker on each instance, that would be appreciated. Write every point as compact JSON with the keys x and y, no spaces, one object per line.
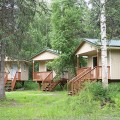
{"x":24,"y":71}
{"x":115,"y":64}
{"x":45,"y":56}
{"x":85,"y":49}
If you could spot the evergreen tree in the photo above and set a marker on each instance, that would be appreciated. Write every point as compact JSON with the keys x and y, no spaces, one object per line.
{"x":67,"y":21}
{"x":15,"y":17}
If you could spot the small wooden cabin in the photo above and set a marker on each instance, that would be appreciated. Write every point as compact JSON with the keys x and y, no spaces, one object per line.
{"x":15,"y":71}
{"x":43,"y":76}
{"x":91,"y":48}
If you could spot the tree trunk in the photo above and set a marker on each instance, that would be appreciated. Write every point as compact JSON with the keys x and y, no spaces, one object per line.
{"x":104,"y":45}
{"x":2,"y":47}
{"x":2,"y":91}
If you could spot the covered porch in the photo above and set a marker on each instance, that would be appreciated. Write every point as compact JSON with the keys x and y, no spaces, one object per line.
{"x":92,"y":55}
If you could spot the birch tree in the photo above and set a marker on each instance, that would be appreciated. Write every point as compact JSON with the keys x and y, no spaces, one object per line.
{"x":104,"y":44}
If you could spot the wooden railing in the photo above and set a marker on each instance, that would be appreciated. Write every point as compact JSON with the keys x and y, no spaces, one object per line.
{"x":40,"y":76}
{"x":48,"y":79}
{"x":5,"y":78}
{"x":80,"y":70}
{"x":14,"y":81}
{"x":83,"y":71}
{"x":76,"y":83}
{"x":18,"y":75}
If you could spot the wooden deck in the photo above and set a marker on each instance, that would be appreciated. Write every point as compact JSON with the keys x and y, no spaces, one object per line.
{"x":42,"y":76}
{"x":46,"y":80}
{"x":83,"y":75}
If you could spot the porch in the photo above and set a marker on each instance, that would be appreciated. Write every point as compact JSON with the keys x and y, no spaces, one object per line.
{"x":43,"y":76}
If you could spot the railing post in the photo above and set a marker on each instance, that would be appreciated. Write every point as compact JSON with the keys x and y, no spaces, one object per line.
{"x":33,"y":70}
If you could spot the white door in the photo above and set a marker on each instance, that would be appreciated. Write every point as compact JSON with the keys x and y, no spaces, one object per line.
{"x":13,"y":70}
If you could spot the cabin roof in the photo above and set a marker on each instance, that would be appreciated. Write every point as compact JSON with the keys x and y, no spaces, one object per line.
{"x":97,"y":42}
{"x":47,"y":50}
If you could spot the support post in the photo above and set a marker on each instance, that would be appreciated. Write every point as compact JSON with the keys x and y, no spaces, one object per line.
{"x":33,"y":70}
{"x":77,"y":64}
{"x":78,"y":61}
{"x":97,"y":63}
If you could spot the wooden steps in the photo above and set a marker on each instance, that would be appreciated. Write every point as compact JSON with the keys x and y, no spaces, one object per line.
{"x":89,"y":74}
{"x":51,"y":86}
{"x":8,"y":85}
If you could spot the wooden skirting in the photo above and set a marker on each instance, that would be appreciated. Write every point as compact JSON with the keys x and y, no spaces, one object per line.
{"x":111,"y":80}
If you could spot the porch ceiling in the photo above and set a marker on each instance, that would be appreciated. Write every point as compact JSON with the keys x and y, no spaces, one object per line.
{"x":90,"y":53}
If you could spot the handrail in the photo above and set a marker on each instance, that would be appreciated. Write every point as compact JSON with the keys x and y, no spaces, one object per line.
{"x":14,"y":81}
{"x":48,"y":76}
{"x":43,"y":85}
{"x":79,"y":75}
{"x":5,"y":78}
{"x":76,"y":84}
{"x":86,"y":73}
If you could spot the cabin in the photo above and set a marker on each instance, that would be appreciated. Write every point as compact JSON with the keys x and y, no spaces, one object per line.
{"x":91,"y":49}
{"x":15,"y":71}
{"x":43,"y":76}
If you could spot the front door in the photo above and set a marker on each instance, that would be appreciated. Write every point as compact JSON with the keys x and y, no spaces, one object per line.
{"x":94,"y":61}
{"x":14,"y":69}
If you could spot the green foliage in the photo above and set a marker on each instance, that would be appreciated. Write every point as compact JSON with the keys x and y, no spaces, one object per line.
{"x":67,"y":26}
{"x":60,"y":106}
{"x":112,"y":19}
{"x":30,"y":85}
{"x":19,"y":26}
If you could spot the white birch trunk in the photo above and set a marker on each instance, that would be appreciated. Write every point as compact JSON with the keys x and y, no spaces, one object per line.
{"x":104,"y":45}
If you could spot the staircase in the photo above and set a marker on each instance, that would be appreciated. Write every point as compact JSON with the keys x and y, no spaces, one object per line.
{"x":50,"y":86}
{"x":76,"y":84}
{"x":10,"y":84}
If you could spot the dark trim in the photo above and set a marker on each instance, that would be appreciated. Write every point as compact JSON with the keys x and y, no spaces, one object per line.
{"x":111,"y":80}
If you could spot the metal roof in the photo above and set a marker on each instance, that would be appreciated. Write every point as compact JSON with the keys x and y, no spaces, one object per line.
{"x":97,"y":42}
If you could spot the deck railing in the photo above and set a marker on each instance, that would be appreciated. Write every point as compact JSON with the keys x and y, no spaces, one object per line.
{"x":75,"y":84}
{"x":80,"y":70}
{"x":40,"y":76}
{"x":18,"y":75}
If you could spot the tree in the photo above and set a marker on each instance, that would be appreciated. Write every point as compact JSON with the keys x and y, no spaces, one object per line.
{"x":103,"y":44}
{"x":39,"y":31}
{"x":112,"y":19}
{"x":15,"y":17}
{"x":67,"y":21}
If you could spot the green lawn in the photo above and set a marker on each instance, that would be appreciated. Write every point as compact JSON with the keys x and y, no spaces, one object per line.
{"x":37,"y":105}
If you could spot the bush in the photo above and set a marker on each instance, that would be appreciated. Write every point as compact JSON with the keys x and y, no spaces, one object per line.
{"x":104,"y":95}
{"x":30,"y":85}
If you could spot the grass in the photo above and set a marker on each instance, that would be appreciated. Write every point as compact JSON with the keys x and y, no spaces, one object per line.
{"x":38,"y":105}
